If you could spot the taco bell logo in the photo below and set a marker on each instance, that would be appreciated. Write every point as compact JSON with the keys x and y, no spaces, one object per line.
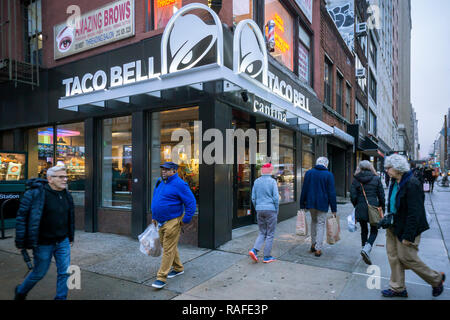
{"x":181,"y":48}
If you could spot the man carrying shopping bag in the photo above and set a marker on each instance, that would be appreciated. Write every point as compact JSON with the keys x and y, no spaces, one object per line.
{"x":169,"y":197}
{"x":318,"y":193}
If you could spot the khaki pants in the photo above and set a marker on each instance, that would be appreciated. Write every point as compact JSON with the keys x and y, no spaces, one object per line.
{"x":402,"y":257}
{"x":318,"y":227}
{"x":169,"y":234}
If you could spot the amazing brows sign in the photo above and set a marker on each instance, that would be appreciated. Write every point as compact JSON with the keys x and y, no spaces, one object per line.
{"x":110,"y":23}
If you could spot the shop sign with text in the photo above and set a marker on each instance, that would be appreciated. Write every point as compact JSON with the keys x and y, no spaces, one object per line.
{"x":112,"y":22}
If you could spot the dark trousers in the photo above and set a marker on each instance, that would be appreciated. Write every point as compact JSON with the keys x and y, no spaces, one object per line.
{"x":365,"y":233}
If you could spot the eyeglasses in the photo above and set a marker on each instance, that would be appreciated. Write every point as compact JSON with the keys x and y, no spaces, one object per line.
{"x":60,"y":177}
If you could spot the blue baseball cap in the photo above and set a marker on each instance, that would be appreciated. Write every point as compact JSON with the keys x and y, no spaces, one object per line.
{"x":169,"y":165}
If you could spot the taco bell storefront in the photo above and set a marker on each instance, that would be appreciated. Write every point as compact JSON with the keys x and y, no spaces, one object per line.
{"x":119,"y":115}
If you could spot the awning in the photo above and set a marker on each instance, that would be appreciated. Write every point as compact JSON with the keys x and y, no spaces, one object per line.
{"x":196,"y":77}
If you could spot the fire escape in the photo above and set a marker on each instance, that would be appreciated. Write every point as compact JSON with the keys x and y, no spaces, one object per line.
{"x":20,"y":41}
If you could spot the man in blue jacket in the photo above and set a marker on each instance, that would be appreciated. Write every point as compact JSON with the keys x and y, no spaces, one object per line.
{"x":317,"y":195}
{"x":170,"y":195}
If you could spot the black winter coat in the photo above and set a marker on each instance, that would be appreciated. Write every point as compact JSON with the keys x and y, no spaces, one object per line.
{"x":30,"y":212}
{"x":374,"y":192}
{"x":410,"y":219}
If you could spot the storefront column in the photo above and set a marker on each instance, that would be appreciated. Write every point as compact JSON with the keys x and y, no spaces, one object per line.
{"x":139,"y":173}
{"x":92,"y":174}
{"x":215,"y":199}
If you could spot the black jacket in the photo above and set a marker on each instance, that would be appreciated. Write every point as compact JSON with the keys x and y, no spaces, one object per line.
{"x":410,"y":219}
{"x":374,"y":192}
{"x":30,"y":212}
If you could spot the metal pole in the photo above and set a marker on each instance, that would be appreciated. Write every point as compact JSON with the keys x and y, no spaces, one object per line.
{"x":37,"y":43}
{"x":445,"y":144}
{"x":9,"y":40}
{"x":15,"y":43}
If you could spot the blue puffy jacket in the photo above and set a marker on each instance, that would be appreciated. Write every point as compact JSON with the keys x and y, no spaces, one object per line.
{"x":30,"y":212}
{"x":318,"y":190}
{"x":168,"y":200}
{"x":265,"y":193}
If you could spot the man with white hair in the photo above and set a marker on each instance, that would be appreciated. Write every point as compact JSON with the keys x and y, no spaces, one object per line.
{"x":318,"y":193}
{"x":45,"y":223}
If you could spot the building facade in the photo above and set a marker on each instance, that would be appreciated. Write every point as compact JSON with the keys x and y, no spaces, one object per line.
{"x":120,"y":83}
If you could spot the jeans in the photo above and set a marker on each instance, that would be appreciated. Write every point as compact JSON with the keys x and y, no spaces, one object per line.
{"x":267,"y":222}
{"x":365,"y":233}
{"x":42,"y":255}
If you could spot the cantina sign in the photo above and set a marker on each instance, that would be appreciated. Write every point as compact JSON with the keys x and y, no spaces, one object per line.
{"x":183,"y":50}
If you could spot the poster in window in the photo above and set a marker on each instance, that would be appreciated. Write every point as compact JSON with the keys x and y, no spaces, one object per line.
{"x":303,"y":62}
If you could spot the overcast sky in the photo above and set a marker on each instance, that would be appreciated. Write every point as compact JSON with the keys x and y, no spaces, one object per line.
{"x":430,"y":67}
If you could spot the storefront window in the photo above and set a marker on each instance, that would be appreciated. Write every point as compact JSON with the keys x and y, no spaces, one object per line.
{"x":163,"y":149}
{"x":303,"y":54}
{"x":164,"y":10}
{"x":284,"y":34}
{"x":307,"y":154}
{"x":116,"y":163}
{"x":285,"y":173}
{"x":242,"y":9}
{"x":70,"y":151}
{"x":12,"y":166}
{"x":40,"y":151}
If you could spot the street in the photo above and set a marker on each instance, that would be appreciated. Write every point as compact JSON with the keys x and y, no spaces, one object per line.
{"x":113,"y":268}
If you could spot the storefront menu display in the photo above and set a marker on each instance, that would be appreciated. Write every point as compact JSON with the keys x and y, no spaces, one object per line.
{"x":12,"y":166}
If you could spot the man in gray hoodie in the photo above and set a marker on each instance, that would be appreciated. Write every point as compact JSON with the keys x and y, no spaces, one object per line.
{"x":265,"y":200}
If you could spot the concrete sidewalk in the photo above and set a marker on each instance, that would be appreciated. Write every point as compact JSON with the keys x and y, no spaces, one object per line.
{"x":112,"y":267}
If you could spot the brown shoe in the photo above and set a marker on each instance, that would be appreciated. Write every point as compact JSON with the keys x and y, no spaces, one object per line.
{"x":318,"y":253}
{"x":313,"y":249}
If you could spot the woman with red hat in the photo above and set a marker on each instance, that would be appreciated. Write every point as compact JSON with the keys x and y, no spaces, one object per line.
{"x":265,"y":200}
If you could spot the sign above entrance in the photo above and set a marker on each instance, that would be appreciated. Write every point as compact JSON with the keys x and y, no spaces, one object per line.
{"x":98,"y":27}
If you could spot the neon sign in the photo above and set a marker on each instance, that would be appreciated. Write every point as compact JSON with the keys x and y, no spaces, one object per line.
{"x":165,"y":3}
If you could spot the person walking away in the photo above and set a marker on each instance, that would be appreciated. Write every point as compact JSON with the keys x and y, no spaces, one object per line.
{"x":406,"y":203}
{"x":45,"y":223}
{"x":265,"y":199}
{"x":428,"y":176}
{"x":170,"y":195}
{"x":366,"y":181}
{"x":318,"y":194}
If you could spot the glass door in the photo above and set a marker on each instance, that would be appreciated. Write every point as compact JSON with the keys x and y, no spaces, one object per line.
{"x":243,"y":213}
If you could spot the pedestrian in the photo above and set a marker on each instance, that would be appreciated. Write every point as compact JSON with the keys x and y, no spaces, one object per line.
{"x":265,"y":200}
{"x":367,"y":184}
{"x":170,"y":195}
{"x":386,"y":178}
{"x":45,"y":223}
{"x":318,"y":193}
{"x":407,"y":204}
{"x":428,"y":177}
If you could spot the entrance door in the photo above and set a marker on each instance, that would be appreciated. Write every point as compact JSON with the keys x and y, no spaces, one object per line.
{"x":243,"y":214}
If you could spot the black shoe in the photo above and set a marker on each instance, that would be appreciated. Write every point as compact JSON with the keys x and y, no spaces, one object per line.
{"x":439,"y":289}
{"x":312,"y":249}
{"x":19,"y":296}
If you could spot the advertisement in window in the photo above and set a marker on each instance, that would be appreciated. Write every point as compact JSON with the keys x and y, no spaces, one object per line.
{"x":303,"y":62}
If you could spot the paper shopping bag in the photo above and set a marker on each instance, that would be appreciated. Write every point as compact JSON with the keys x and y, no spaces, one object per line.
{"x":301,"y":227}
{"x":333,"y":230}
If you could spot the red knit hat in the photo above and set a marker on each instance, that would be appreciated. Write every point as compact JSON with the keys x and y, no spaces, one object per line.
{"x":267,"y":168}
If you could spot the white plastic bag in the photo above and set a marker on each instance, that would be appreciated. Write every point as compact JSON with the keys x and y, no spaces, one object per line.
{"x":351,"y":221}
{"x":149,"y":241}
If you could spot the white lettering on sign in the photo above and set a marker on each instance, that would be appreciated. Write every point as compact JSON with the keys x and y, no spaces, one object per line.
{"x":287,"y":92}
{"x":269,"y":110}
{"x":9,"y":196}
{"x":119,"y":75}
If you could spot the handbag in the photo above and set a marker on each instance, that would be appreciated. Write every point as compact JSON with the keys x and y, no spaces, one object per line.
{"x":375,"y":213}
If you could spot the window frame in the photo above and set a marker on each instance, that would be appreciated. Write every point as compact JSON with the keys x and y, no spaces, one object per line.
{"x":328,"y":73}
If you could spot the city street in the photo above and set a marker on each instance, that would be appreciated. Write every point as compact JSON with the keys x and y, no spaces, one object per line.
{"x":112,"y":267}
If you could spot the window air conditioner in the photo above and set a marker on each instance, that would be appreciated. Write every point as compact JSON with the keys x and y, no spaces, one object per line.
{"x":361,"y":29}
{"x":360,"y":73}
{"x":360,"y":122}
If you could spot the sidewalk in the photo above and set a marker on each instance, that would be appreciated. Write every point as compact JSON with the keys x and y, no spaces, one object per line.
{"x":112,"y":267}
